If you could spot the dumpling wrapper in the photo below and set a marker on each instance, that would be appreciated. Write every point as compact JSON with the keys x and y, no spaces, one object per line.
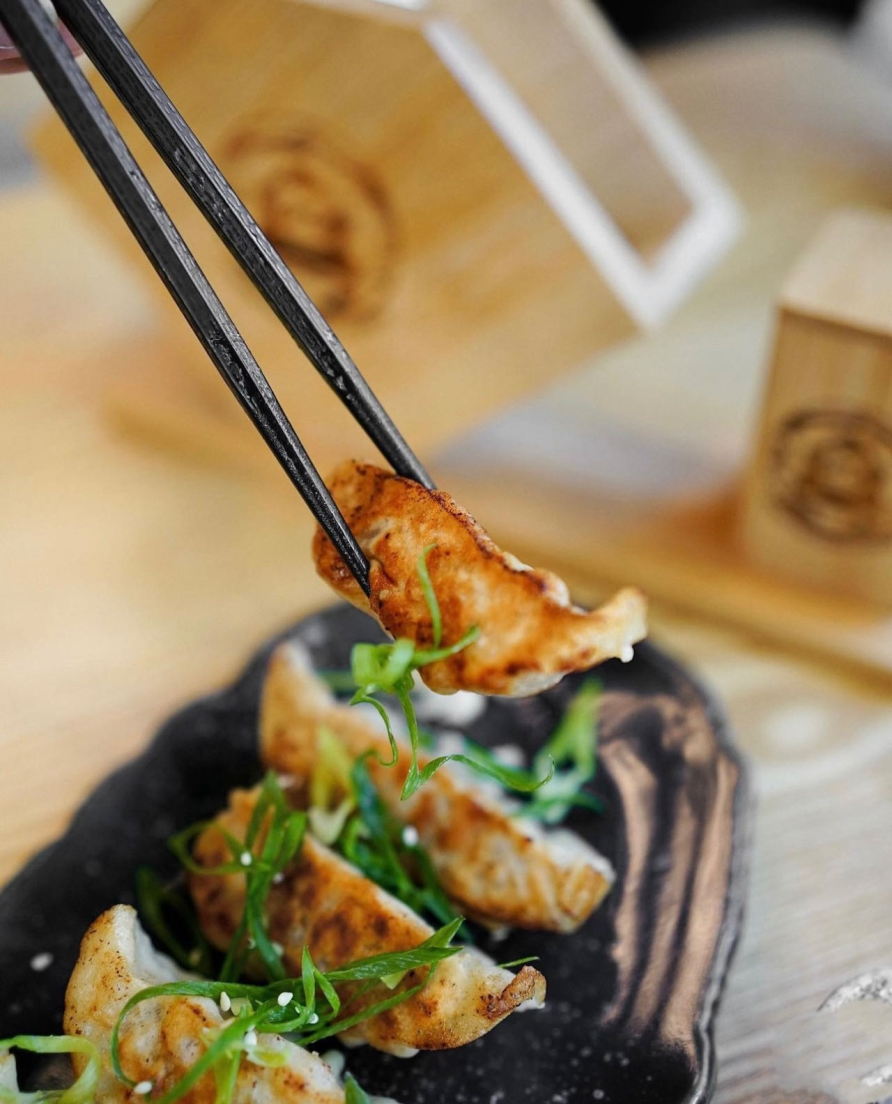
{"x":496,"y":867}
{"x":342,"y":916}
{"x":161,"y":1039}
{"x":530,"y":633}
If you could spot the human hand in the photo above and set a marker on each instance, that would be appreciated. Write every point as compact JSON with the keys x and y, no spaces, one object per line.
{"x":11,"y":61}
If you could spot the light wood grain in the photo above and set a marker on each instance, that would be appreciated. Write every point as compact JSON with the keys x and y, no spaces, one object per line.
{"x":844,"y":275}
{"x":548,"y":52}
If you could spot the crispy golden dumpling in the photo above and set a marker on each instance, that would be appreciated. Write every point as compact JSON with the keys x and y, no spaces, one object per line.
{"x":161,"y":1039}
{"x":496,"y":867}
{"x":530,"y":634}
{"x":341,"y":915}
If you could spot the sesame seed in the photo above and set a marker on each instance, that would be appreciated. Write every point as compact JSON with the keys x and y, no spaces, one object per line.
{"x":225,"y":1002}
{"x":251,"y":1038}
{"x":246,"y":858}
{"x":278,"y":878}
{"x":41,"y":961}
{"x":277,"y":947}
{"x":143,"y":1088}
{"x":285,"y":998}
{"x":627,"y":654}
{"x":313,"y":1018}
{"x":410,"y":835}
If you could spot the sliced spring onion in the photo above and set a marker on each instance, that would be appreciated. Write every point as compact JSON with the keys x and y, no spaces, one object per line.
{"x":82,"y":1091}
{"x":518,"y":962}
{"x":272,"y":840}
{"x":156,"y":902}
{"x":390,"y":668}
{"x":430,"y":595}
{"x":375,"y":843}
{"x":353,"y":1094}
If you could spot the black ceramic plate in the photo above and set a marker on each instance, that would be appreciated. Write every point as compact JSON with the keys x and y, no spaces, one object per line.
{"x":631,"y":996}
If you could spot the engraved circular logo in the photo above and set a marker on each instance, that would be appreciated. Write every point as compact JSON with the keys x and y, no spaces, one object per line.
{"x":327,"y":214}
{"x":832,"y":472}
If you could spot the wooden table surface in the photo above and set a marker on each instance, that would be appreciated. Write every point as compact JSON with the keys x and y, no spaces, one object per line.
{"x":131,"y":580}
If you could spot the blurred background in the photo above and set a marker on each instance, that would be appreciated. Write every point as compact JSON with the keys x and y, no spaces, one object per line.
{"x":641,"y":24}
{"x":604,"y":403}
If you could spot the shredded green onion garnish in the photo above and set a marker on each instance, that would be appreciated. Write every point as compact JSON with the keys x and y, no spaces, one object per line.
{"x":83,"y":1091}
{"x":312,"y":1012}
{"x":273,"y":838}
{"x":430,"y":595}
{"x":331,"y":798}
{"x":573,"y":742}
{"x":374,"y":842}
{"x":390,"y":668}
{"x":573,"y":745}
{"x":341,"y":682}
{"x":518,"y":962}
{"x":167,"y":910}
{"x":330,"y":779}
{"x":353,"y":1094}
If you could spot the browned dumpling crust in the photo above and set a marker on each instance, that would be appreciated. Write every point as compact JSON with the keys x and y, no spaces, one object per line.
{"x":530,"y":634}
{"x":494,"y":866}
{"x":161,"y":1039}
{"x":325,"y":903}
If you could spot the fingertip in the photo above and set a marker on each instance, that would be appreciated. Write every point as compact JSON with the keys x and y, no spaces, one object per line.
{"x":10,"y":59}
{"x":12,"y":64}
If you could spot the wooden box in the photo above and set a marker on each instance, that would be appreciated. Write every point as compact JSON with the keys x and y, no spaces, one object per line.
{"x":818,"y":503}
{"x":478,"y":196}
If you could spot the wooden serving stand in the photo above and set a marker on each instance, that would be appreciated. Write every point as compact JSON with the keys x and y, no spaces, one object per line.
{"x":477,"y":197}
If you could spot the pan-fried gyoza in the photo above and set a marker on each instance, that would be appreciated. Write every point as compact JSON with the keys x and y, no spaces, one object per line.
{"x":530,"y":635}
{"x":160,"y":1040}
{"x":323,"y":903}
{"x":497,"y":868}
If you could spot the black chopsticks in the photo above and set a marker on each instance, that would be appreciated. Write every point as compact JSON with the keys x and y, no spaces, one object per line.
{"x":43,"y":48}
